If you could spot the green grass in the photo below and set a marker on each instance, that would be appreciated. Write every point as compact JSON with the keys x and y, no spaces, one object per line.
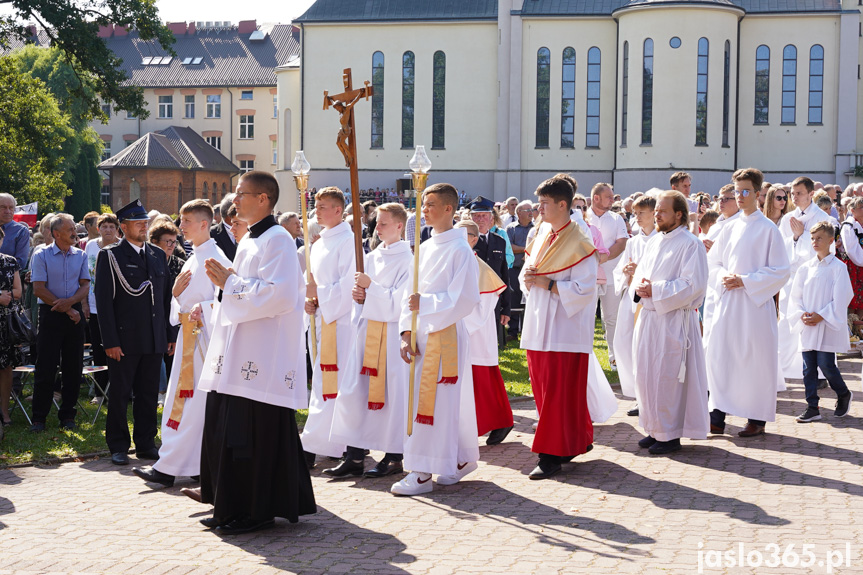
{"x":21,"y":446}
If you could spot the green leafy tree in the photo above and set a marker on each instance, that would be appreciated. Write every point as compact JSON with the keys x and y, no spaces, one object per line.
{"x":33,"y":137}
{"x":73,"y":28}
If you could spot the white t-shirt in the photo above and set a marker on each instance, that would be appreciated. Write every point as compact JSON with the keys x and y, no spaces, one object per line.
{"x":91,"y":250}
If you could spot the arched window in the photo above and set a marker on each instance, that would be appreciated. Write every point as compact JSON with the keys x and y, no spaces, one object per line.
{"x":216,"y":197}
{"x":789,"y":84}
{"x":224,"y":190}
{"x":408,"y":100}
{"x":594,"y":64}
{"x":206,"y":192}
{"x":816,"y":84}
{"x":134,"y":191}
{"x":179,"y":196}
{"x":625,"y":104}
{"x":378,"y":100}
{"x":647,"y":94}
{"x":726,"y":92}
{"x":567,"y":100}
{"x":543,"y":86}
{"x":439,"y":101}
{"x":701,"y":93}
{"x":762,"y":84}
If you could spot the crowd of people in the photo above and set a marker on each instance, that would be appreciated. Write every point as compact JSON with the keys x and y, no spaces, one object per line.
{"x":708,"y":302}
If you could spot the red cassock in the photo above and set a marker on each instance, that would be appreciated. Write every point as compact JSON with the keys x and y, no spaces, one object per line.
{"x":492,"y":404}
{"x":559,"y":382}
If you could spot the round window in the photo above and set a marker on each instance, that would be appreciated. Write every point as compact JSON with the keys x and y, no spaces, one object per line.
{"x":674,"y":42}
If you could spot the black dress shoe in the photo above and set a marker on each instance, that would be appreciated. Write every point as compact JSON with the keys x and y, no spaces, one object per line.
{"x":212,"y":522}
{"x":545,"y":469}
{"x":151,"y":454}
{"x":384,"y":468}
{"x":192,"y":493}
{"x":310,"y":459}
{"x":68,"y":425}
{"x":498,"y":435}
{"x":633,"y":412}
{"x":664,"y":447}
{"x":346,"y":468}
{"x":119,"y":458}
{"x":239,"y":526}
{"x":195,"y":477}
{"x":646,"y":442}
{"x":154,"y":476}
{"x":37,"y":427}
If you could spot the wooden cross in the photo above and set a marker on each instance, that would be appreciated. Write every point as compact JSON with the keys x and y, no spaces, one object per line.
{"x":347,"y":144}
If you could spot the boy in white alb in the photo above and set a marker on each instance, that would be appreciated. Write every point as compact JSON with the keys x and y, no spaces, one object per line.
{"x":370,"y":411}
{"x":183,"y":413}
{"x":817,"y":308}
{"x":444,"y":430}
{"x":493,"y":411}
{"x":329,"y":291}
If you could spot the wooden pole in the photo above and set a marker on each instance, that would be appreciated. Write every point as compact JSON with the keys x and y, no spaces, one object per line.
{"x":302,"y":185}
{"x":419,"y":184}
{"x":355,"y":185}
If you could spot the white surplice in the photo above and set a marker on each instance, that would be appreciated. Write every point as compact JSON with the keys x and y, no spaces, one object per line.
{"x":668,"y":337}
{"x":180,"y":453}
{"x":799,"y":252}
{"x":822,"y":287}
{"x":333,"y":267}
{"x":625,"y":314}
{"x":449,"y":291}
{"x":354,"y":423}
{"x":850,"y":240}
{"x":257,"y":349}
{"x":481,"y":326}
{"x":742,"y":344}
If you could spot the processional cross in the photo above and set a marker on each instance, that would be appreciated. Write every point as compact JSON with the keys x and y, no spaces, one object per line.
{"x":347,"y":144}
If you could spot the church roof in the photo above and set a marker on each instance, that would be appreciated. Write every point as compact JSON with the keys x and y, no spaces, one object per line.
{"x":174,"y":148}
{"x":435,"y":10}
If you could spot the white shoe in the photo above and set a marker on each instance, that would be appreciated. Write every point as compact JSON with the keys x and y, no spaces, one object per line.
{"x":161,"y":400}
{"x":535,"y":424}
{"x":415,"y":483}
{"x":463,"y":469}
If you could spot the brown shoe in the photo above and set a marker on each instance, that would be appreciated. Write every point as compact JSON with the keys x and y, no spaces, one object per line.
{"x":751,"y":430}
{"x":192,"y":493}
{"x":716,"y":430}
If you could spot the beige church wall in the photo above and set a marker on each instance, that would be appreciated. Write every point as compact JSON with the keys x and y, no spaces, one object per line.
{"x":288,"y":83}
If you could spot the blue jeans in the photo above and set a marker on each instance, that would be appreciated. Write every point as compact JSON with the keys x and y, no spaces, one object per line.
{"x":826,"y":360}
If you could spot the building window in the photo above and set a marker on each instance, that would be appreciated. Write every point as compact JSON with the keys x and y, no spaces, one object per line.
{"x":166,"y":106}
{"x":190,"y":106}
{"x":128,"y":143}
{"x":567,"y":99}
{"x":246,"y":95}
{"x":214,"y":106}
{"x":106,"y":150}
{"x":789,"y":84}
{"x":816,"y":84}
{"x":762,"y":84}
{"x":275,"y":144}
{"x":275,"y":105}
{"x":726,"y":92}
{"x":215,"y":192}
{"x":439,"y":101}
{"x":594,"y":64}
{"x":106,"y":109}
{"x":625,"y":104}
{"x":408,"y":62}
{"x":378,"y":100}
{"x":215,"y":141}
{"x":130,"y":115}
{"x":206,"y":192}
{"x":247,"y":127}
{"x":701,"y":93}
{"x":647,"y":94}
{"x":543,"y":87}
{"x":247,"y":166}
{"x":224,"y":189}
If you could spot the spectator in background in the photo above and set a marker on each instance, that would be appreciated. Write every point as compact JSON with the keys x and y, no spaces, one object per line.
{"x":707,"y":220}
{"x":776,"y":204}
{"x":16,"y":241}
{"x":509,"y":216}
{"x":91,"y":227}
{"x":823,"y":201}
{"x":61,"y":281}
{"x":10,"y":355}
{"x":291,"y":222}
{"x":221,"y":232}
{"x":762,"y":195}
{"x":517,"y":232}
{"x":109,"y":227}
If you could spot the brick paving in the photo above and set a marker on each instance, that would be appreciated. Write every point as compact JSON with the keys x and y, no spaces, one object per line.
{"x":615,"y":510}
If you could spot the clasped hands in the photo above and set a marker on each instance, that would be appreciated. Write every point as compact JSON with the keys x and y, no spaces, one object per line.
{"x":531,"y":279}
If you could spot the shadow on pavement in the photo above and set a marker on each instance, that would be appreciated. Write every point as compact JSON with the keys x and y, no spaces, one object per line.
{"x":7,"y":477}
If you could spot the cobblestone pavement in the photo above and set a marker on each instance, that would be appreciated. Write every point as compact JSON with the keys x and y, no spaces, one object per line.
{"x":615,"y":510}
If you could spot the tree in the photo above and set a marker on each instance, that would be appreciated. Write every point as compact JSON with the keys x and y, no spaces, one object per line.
{"x":73,"y":28}
{"x":33,"y":132}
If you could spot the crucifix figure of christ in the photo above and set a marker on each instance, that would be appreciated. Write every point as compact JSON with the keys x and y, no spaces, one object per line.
{"x":347,"y":144}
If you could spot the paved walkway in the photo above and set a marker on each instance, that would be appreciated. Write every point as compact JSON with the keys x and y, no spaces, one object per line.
{"x":617,"y":510}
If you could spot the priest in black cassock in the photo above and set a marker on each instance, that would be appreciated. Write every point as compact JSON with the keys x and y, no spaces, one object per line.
{"x":252,"y":465}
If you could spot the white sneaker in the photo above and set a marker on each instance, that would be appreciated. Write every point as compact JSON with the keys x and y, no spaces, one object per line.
{"x":463,"y":469}
{"x":415,"y":483}
{"x":161,"y":400}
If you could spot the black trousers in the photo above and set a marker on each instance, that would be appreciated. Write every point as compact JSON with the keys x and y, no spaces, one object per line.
{"x":515,"y":320}
{"x":138,"y":374}
{"x":61,"y":344}
{"x":359,"y":454}
{"x":99,"y":357}
{"x":717,"y":417}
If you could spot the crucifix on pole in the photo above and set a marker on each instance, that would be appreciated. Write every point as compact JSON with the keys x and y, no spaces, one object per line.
{"x":347,"y":144}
